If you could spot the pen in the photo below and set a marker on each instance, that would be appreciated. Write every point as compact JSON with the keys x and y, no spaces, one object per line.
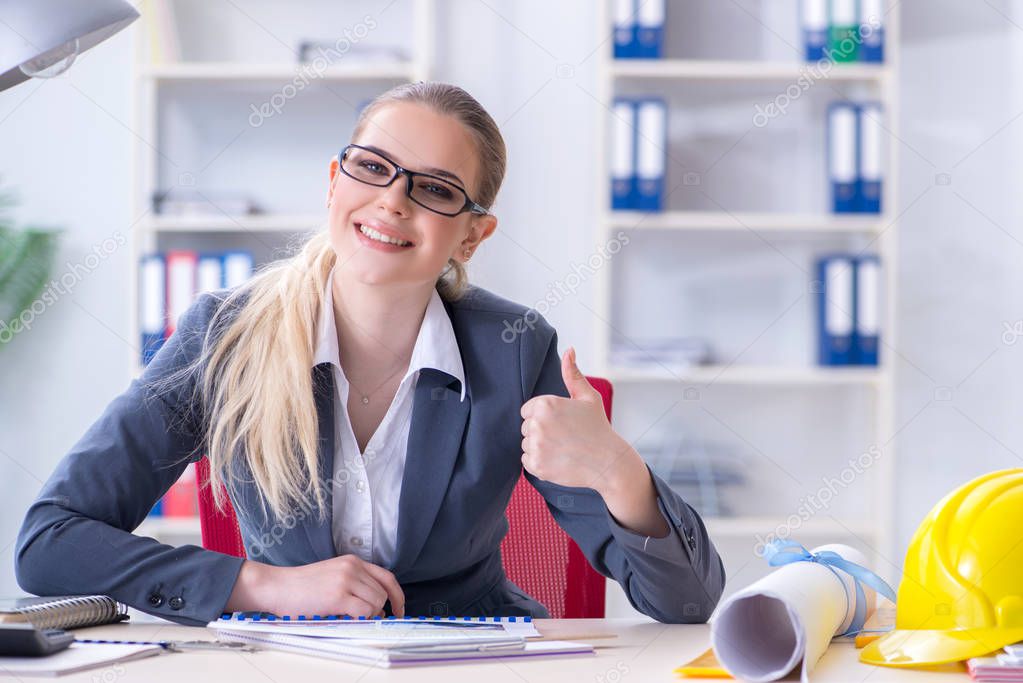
{"x":175,"y":645}
{"x":458,"y":624}
{"x":478,"y":647}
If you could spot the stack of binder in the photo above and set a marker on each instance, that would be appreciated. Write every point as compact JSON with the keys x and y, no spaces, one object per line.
{"x":855,"y":156}
{"x":172,"y":280}
{"x":848,"y":309}
{"x":639,"y":153}
{"x":639,"y":29}
{"x":843,"y":30}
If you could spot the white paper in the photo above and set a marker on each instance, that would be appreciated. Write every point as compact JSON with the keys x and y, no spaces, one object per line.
{"x":762,"y":632}
{"x":76,"y":657}
{"x":383,"y":631}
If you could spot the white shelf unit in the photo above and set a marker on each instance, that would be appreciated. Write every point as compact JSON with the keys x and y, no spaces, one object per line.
{"x":677,"y":228}
{"x":741,"y":220}
{"x":165,"y":528}
{"x":204,"y":84}
{"x":746,"y":375}
{"x":737,"y":70}
{"x":228,"y":72}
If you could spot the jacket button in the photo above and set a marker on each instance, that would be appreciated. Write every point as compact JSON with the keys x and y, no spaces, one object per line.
{"x":176,"y":602}
{"x":691,"y":539}
{"x":155,"y":599}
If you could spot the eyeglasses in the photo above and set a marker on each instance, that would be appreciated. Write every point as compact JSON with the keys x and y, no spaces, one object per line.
{"x":428,"y":191}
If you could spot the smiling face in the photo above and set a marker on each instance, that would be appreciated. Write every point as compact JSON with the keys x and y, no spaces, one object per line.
{"x":419,"y":139}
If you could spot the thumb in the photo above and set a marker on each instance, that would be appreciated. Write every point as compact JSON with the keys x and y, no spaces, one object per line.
{"x":575,"y":381}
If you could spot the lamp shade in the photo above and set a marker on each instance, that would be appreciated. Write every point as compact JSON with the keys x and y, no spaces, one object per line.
{"x":41,"y":31}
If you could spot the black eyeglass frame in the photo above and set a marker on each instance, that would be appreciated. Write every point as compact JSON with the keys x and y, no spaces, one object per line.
{"x":469,"y":204}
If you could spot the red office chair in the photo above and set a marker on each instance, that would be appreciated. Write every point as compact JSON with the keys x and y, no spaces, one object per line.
{"x":538,"y":555}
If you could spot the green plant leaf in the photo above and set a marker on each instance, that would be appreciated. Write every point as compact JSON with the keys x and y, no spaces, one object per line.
{"x":26,"y":265}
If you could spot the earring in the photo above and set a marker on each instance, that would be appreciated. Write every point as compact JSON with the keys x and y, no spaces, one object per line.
{"x":468,"y":253}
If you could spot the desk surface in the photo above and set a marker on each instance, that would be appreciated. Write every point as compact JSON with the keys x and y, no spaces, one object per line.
{"x":644,"y":651}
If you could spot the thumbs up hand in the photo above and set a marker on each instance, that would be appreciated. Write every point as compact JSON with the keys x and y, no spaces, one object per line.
{"x":569,"y":441}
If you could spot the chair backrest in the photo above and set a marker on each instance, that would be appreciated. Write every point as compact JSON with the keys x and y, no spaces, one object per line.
{"x":542,"y":559}
{"x":537,"y":554}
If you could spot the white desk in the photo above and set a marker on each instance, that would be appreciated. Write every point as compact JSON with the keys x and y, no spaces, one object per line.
{"x":644,"y":651}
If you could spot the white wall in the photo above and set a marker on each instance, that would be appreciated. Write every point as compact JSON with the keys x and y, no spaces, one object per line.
{"x":961,"y":261}
{"x":64,"y":145}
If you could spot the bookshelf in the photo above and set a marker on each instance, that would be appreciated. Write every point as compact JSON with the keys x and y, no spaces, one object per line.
{"x":777,"y":407}
{"x":199,"y":71}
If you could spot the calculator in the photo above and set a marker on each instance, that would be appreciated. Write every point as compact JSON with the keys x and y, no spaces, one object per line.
{"x":24,"y":640}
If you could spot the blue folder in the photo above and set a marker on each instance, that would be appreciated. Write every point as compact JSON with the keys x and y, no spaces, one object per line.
{"x":870,"y":139}
{"x":815,"y":28}
{"x":872,"y":31}
{"x":650,"y":29}
{"x":651,"y":152}
{"x":842,"y":147}
{"x":835,"y":309}
{"x":624,"y":20}
{"x":866,"y":336}
{"x":623,"y":155}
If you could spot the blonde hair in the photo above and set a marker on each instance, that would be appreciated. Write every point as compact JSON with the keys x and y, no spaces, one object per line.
{"x":254,"y":380}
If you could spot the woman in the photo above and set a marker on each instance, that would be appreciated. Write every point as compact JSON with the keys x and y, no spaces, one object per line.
{"x":369,"y":415}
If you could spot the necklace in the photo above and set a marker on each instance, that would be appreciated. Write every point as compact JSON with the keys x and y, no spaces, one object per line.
{"x":364,"y":395}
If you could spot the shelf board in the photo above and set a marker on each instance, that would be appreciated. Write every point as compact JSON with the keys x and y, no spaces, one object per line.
{"x":739,"y":221}
{"x":240,"y":71}
{"x":250,"y":223}
{"x":747,"y":374}
{"x":736,"y":70}
{"x":764,"y":525}
{"x":169,"y":526}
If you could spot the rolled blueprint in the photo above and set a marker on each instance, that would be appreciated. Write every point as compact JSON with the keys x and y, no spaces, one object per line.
{"x":764,"y":631}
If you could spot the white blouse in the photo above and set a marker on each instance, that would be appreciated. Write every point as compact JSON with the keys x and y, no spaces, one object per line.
{"x":366,"y":486}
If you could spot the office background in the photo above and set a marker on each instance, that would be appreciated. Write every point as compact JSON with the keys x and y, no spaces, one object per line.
{"x":67,"y":146}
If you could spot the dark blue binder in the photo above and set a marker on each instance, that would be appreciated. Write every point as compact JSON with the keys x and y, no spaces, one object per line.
{"x":866,"y":335}
{"x":815,"y":28}
{"x":650,"y":29}
{"x":842,"y":146}
{"x":869,"y":175}
{"x":624,"y":29}
{"x":651,"y":152}
{"x":872,"y":31}
{"x":623,"y":155}
{"x":835,"y":309}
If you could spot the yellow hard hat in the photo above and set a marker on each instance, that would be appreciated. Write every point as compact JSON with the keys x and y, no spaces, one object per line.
{"x":961,"y":593}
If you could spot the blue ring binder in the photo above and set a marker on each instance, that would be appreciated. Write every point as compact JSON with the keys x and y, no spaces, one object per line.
{"x":241,"y":616}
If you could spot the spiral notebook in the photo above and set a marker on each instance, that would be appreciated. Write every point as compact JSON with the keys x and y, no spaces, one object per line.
{"x":64,"y":611}
{"x":393,"y":642}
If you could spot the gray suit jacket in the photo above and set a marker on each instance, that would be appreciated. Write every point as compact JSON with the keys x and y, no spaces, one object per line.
{"x":462,"y":462}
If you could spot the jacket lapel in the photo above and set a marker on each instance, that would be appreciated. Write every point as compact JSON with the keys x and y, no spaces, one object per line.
{"x":437,"y":426}
{"x":320,"y":535}
{"x":434,"y":442}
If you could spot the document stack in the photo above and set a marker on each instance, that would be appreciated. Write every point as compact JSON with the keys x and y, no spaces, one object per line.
{"x":393,"y":642}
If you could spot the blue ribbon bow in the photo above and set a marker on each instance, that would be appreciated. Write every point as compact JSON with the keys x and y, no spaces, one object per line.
{"x":783,"y":552}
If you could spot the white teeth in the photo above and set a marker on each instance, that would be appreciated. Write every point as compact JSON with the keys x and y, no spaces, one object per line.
{"x":379,"y":237}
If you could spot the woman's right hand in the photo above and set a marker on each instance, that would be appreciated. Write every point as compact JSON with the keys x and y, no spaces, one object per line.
{"x":346,"y":584}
